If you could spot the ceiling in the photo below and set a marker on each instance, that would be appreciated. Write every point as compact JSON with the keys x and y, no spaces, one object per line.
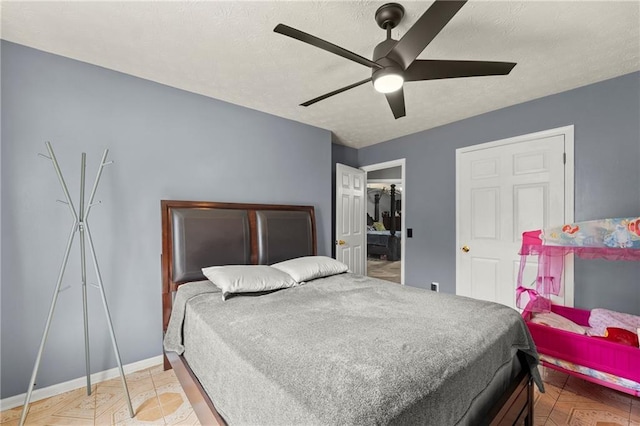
{"x":228,"y":51}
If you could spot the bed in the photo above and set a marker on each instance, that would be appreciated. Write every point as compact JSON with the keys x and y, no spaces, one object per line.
{"x":599,"y":361}
{"x":382,"y":243}
{"x":594,"y":359}
{"x":343,"y":349}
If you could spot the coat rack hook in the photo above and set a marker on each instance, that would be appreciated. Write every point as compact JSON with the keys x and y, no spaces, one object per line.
{"x":80,"y":225}
{"x":62,"y":202}
{"x":44,"y":156}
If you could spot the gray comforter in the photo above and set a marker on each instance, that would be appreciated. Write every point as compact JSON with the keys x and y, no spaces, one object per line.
{"x":344,"y":350}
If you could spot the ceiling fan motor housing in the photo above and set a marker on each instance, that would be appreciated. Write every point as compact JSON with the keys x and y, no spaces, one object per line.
{"x":381,"y":50}
{"x":390,"y":67}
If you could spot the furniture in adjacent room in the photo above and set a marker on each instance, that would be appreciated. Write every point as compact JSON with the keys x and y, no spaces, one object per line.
{"x":382,"y":243}
{"x":387,"y":242}
{"x":386,"y":221}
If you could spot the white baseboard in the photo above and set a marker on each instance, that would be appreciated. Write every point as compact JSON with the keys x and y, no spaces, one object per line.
{"x":49,"y":391}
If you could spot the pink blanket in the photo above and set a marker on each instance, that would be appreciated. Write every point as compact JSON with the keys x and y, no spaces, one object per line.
{"x":600,"y":319}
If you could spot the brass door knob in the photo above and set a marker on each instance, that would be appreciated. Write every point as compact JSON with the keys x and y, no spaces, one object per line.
{"x":465,"y":249}
{"x":341,"y":242}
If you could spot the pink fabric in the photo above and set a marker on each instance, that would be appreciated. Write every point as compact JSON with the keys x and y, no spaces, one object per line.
{"x":548,"y":282}
{"x":532,"y":238}
{"x":532,"y":300}
{"x":606,"y":253}
{"x":551,"y":262}
{"x":551,"y":257}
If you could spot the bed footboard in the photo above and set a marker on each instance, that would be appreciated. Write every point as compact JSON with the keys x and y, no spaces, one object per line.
{"x":516,"y":405}
{"x":200,"y":401}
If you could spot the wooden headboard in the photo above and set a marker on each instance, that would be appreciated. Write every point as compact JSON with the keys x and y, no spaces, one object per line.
{"x":197,"y":234}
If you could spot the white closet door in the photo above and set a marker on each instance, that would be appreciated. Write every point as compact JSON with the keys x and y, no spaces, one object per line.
{"x":503,"y":191}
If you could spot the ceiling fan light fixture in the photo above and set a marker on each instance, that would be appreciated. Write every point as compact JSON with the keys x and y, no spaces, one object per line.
{"x":396,"y":61}
{"x":388,"y":80}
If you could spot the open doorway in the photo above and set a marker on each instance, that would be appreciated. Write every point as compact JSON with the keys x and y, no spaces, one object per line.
{"x":385,"y":220}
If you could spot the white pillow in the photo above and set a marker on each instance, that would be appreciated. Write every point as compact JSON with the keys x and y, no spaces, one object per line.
{"x":247,"y":278}
{"x":311,"y":267}
{"x":557,"y":321}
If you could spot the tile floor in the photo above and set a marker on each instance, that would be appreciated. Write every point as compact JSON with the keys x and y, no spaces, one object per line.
{"x":384,"y":269}
{"x":158,"y":399}
{"x":572,"y":401}
{"x":156,"y":396}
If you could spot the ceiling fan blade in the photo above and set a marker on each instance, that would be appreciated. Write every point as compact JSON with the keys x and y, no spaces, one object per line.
{"x":424,"y":31}
{"x":324,"y":45}
{"x":335,"y":92}
{"x":396,"y":102}
{"x":437,"y":69}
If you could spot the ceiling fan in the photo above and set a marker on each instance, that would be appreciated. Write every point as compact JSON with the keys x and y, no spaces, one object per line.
{"x":394,"y":61}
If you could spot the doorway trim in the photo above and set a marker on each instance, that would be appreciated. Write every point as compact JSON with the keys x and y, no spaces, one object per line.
{"x":403,"y":227}
{"x":569,"y":195}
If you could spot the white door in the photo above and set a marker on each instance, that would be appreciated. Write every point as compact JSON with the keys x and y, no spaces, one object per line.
{"x":350,"y":226}
{"x":506,"y":188}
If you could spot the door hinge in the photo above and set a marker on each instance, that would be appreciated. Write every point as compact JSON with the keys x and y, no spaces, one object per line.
{"x":564,"y":158}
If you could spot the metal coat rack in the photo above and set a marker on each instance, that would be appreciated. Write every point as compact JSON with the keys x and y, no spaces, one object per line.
{"x":80,"y":226}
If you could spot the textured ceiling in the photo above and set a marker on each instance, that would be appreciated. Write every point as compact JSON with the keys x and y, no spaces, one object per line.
{"x":228,"y":50}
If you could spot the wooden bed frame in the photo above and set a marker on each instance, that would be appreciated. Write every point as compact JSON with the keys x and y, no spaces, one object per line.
{"x":514,"y":407}
{"x":169,"y":286}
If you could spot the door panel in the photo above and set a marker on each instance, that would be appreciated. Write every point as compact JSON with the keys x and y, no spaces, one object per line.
{"x":485,"y":211}
{"x":484,"y":270}
{"x":530,"y":162}
{"x":358,"y":206}
{"x":346,"y":213}
{"x":481,"y":169}
{"x":350,"y":230}
{"x":530,"y":206}
{"x":504,"y":190}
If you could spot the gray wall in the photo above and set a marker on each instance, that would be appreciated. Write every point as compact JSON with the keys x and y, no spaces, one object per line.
{"x":607,"y":178}
{"x":166,"y":144}
{"x":343,"y":155}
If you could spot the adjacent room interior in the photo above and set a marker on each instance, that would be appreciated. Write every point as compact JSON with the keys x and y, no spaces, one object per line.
{"x":384,"y":223}
{"x":226,"y":124}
